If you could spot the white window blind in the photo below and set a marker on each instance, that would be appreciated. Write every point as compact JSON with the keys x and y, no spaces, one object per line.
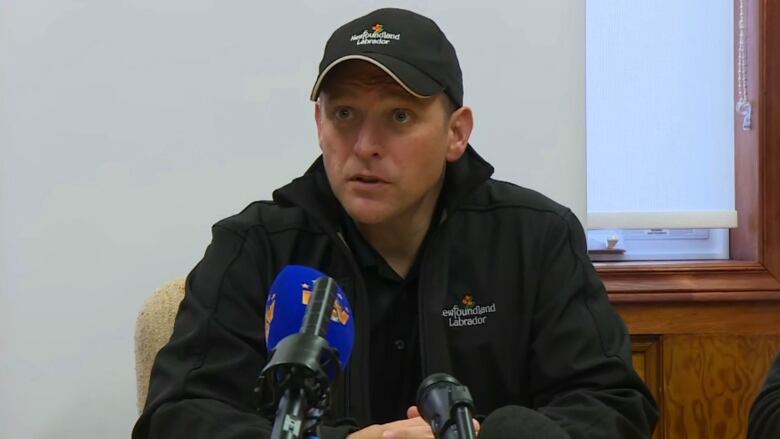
{"x":660,"y":114}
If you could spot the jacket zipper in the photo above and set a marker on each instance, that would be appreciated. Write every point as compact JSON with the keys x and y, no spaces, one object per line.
{"x":360,"y":289}
{"x":421,"y":291}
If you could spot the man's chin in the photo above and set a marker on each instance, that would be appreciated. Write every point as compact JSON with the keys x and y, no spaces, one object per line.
{"x":368,"y":219}
{"x":367,"y":215}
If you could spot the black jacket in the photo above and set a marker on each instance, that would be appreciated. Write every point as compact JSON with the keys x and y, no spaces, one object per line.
{"x":509,"y":303}
{"x":765,"y":414}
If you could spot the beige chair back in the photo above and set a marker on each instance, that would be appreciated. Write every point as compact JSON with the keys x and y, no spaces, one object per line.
{"x":153,"y":330}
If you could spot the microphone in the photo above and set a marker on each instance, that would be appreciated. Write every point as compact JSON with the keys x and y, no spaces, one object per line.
{"x":517,"y":422}
{"x":309,"y":335}
{"x":287,"y":302}
{"x":447,"y":406}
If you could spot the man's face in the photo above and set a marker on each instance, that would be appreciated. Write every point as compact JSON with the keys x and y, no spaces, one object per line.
{"x":384,"y":149}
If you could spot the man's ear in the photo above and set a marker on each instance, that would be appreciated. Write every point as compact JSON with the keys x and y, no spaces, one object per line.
{"x":461,"y":124}
{"x":318,"y":119}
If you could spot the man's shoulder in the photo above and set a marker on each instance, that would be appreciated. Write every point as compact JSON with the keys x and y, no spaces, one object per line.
{"x":269,"y":216}
{"x":526,"y":211}
{"x":497,"y":195}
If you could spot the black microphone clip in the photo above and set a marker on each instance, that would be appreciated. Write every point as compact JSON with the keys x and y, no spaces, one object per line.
{"x":294,"y":386}
{"x":447,"y":406}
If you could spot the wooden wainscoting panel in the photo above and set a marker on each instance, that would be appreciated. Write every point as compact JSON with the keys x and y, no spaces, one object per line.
{"x":646,"y":357}
{"x":743,"y":318}
{"x":710,"y":382}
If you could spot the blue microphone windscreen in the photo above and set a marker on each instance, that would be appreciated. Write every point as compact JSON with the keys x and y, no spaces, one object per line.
{"x":286,"y":305}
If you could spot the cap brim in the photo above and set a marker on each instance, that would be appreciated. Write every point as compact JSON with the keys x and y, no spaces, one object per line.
{"x":410,"y":78}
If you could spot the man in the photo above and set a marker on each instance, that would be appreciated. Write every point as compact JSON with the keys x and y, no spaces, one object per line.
{"x":764,"y":420}
{"x":446,"y":269}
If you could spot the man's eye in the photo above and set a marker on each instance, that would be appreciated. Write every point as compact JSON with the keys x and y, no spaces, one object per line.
{"x":343,"y":114}
{"x":400,"y":116}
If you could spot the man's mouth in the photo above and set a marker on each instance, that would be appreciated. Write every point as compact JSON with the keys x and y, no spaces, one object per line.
{"x":370,"y":179}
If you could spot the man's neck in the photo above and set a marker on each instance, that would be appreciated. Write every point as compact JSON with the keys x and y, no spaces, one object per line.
{"x":399,"y":241}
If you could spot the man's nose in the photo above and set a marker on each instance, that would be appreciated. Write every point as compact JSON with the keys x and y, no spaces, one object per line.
{"x":368,"y":143}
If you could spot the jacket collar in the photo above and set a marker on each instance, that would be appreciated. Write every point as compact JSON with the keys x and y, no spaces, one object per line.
{"x":312,"y":192}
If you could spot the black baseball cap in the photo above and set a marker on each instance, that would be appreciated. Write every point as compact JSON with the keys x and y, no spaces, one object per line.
{"x":407,"y":46}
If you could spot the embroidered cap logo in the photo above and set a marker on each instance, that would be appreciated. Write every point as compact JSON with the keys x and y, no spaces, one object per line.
{"x":377,"y":35}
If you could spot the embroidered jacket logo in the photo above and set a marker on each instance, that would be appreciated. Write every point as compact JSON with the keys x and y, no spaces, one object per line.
{"x":469,"y":314}
{"x":377,"y":35}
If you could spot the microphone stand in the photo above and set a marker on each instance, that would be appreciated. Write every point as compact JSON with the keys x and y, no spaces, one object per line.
{"x":447,"y":406}
{"x":294,"y":387}
{"x":288,"y":418}
{"x":461,"y":403}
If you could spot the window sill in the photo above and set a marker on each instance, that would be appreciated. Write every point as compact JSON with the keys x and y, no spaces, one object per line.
{"x":694,"y":281}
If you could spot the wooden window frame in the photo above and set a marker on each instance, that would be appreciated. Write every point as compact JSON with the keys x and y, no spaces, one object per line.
{"x":753,"y":272}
